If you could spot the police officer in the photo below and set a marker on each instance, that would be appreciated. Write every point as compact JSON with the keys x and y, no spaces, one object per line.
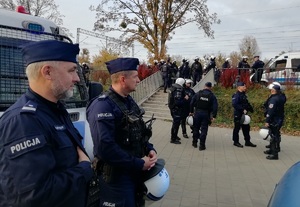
{"x":211,"y":64}
{"x":185,"y":70}
{"x":177,"y":101}
{"x":243,"y":65}
{"x":257,"y":69}
{"x":204,"y":108}
{"x":226,"y":64}
{"x":274,"y":113}
{"x":120,"y":137}
{"x":43,"y":162}
{"x":165,"y":72}
{"x":186,"y":108}
{"x":197,"y":71}
{"x":241,"y":106}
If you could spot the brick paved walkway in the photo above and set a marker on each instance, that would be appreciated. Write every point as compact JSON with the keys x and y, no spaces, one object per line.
{"x":222,"y":175}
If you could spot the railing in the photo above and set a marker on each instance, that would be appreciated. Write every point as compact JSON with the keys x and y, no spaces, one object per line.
{"x":147,"y":87}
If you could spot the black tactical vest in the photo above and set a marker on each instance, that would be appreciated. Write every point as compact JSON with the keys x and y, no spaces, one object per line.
{"x":130,"y":134}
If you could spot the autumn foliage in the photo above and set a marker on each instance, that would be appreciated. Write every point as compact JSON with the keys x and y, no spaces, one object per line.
{"x":145,"y":71}
{"x":230,"y":76}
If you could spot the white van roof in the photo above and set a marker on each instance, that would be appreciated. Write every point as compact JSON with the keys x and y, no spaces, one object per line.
{"x":20,"y":20}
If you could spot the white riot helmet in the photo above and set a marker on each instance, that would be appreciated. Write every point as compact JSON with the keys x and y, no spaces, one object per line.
{"x":188,"y":81}
{"x":180,"y":81}
{"x":245,"y":119}
{"x":264,"y":132}
{"x":157,"y":181}
{"x":189,"y":120}
{"x":274,"y":83}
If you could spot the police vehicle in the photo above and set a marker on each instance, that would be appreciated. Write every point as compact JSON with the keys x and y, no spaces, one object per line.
{"x":283,"y":69}
{"x":17,"y":28}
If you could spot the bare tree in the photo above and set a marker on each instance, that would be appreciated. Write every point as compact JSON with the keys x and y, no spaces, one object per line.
{"x":43,"y":8}
{"x":152,"y":22}
{"x":249,"y":47}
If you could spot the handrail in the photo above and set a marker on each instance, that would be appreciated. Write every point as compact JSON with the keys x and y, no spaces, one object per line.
{"x":209,"y":77}
{"x":147,"y":87}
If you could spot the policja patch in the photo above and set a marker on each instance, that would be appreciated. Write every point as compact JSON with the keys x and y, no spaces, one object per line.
{"x":24,"y":145}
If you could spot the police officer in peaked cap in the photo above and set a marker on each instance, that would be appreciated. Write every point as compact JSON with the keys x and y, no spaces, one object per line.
{"x":241,"y":107}
{"x":43,"y":162}
{"x":120,"y":137}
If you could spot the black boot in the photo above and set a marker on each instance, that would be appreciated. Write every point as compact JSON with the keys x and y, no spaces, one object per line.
{"x":250,"y":144}
{"x":268,"y":146}
{"x":185,"y":136}
{"x":274,"y":155}
{"x":202,"y":147}
{"x":194,"y":144}
{"x":268,"y":152}
{"x":175,"y":141}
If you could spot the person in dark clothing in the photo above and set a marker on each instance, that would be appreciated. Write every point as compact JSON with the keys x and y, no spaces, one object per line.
{"x":185,"y":70}
{"x":274,"y":113}
{"x":204,"y":108}
{"x":257,"y":69}
{"x":42,"y":159}
{"x":197,"y":71}
{"x":120,"y":142}
{"x":176,"y":103}
{"x":174,"y":72}
{"x":241,"y":106}
{"x":243,"y":66}
{"x":226,"y":64}
{"x":165,"y":69}
{"x":186,"y":109}
{"x":211,"y":64}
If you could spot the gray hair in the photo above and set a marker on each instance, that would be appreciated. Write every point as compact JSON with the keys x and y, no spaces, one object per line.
{"x":33,"y":69}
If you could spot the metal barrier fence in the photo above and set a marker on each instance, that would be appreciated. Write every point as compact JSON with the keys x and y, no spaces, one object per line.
{"x":147,"y":87}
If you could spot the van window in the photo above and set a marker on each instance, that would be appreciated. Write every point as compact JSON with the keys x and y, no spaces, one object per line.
{"x":296,"y":65}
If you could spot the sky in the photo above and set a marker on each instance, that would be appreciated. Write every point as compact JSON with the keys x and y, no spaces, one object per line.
{"x":273,"y":23}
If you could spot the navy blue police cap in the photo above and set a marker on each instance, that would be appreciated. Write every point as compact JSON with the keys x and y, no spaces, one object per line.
{"x":276,"y":87}
{"x":49,"y":50}
{"x":122,"y":64}
{"x":208,"y":84}
{"x":240,"y":84}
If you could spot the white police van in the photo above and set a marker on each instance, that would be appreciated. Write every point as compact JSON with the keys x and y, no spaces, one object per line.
{"x":283,"y":69}
{"x":19,"y":28}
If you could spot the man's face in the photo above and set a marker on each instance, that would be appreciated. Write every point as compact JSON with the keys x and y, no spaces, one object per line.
{"x":131,"y":81}
{"x":64,"y":76}
{"x":242,"y":88}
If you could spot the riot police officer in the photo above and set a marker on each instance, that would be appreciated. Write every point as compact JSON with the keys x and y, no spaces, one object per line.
{"x":42,"y":159}
{"x":241,"y":107}
{"x":177,"y":101}
{"x":165,"y":72}
{"x":120,"y":137}
{"x":186,"y":108}
{"x":204,"y":107}
{"x":243,"y":65}
{"x":211,"y":64}
{"x":185,"y":70}
{"x":197,"y":71}
{"x":274,"y":113}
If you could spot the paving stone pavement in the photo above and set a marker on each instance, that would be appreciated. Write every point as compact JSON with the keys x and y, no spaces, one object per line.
{"x":222,"y":175}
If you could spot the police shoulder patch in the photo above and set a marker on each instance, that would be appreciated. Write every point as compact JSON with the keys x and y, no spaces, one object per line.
{"x":24,"y":145}
{"x":271,"y":106}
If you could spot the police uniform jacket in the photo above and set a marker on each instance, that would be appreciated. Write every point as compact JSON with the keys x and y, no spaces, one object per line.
{"x":275,"y":108}
{"x":38,"y":156}
{"x":213,"y":107}
{"x":240,"y":103}
{"x":105,"y":119}
{"x":258,"y":64}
